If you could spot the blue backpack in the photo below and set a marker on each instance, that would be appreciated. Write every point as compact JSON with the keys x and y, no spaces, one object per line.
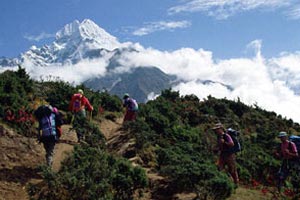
{"x":47,"y":123}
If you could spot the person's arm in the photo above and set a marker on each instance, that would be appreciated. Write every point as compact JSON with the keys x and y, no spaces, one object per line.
{"x":39,"y":131}
{"x":228,"y":141}
{"x":125,"y":103}
{"x":71,"y":104}
{"x":88,"y":104}
{"x":293,"y":150}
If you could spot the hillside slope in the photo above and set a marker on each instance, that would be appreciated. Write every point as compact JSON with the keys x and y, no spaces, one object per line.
{"x":19,"y":158}
{"x":22,"y":156}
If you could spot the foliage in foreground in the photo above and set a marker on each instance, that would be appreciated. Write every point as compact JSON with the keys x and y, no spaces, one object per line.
{"x":91,"y":173}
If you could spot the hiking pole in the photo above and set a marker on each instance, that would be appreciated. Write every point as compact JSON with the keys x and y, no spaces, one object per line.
{"x":91,"y":115}
{"x":72,"y":119}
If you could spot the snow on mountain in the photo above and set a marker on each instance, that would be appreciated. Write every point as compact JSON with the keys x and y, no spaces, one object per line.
{"x":9,"y":62}
{"x":74,"y":42}
{"x":87,"y":33}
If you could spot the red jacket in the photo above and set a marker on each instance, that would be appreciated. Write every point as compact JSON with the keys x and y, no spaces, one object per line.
{"x":79,"y":102}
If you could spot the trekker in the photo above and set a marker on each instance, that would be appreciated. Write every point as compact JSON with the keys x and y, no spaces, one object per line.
{"x":227,"y":157}
{"x":77,"y":106}
{"x":288,"y":153}
{"x":131,"y":108}
{"x":49,"y":122}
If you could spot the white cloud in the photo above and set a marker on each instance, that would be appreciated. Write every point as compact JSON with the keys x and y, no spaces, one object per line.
{"x":222,"y":9}
{"x":186,"y":63}
{"x":76,"y":74}
{"x":160,"y":26}
{"x":256,"y":45}
{"x":202,"y":90}
{"x":286,"y":68}
{"x":294,"y":12}
{"x":39,"y":37}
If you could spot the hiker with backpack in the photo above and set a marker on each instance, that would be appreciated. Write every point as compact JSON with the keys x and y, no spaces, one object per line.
{"x":226,"y":148}
{"x":131,"y":108}
{"x":49,"y":124}
{"x":288,"y":153}
{"x":78,"y":105}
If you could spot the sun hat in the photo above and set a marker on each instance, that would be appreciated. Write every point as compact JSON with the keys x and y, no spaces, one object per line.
{"x":80,"y":91}
{"x":282,"y":134}
{"x":217,"y":126}
{"x":125,"y":95}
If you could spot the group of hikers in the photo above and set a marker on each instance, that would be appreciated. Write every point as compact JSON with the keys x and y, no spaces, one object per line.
{"x":50,"y":130}
{"x":50,"y":120}
{"x":287,"y":151}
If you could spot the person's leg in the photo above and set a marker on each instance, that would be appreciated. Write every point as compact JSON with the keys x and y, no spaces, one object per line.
{"x":49,"y":148}
{"x":78,"y":124}
{"x":134,"y":115}
{"x":282,"y":174}
{"x":128,"y":116}
{"x":231,"y":162}
{"x":79,"y":136}
{"x":221,"y":163}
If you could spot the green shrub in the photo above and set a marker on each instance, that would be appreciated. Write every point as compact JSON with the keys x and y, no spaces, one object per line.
{"x":91,"y":173}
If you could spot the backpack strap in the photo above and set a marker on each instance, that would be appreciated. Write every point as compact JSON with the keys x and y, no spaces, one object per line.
{"x":290,"y":147}
{"x":226,"y":137}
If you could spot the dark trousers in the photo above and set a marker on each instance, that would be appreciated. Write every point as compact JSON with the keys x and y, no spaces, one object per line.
{"x":79,"y":124}
{"x":130,"y":116}
{"x":49,"y":148}
{"x":284,"y":171}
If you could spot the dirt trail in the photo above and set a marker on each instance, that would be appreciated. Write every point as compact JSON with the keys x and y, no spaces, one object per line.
{"x":64,"y":146}
{"x":20,"y":158}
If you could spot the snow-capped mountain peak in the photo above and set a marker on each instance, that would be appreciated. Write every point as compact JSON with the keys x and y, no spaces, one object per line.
{"x":74,"y":42}
{"x":87,"y":31}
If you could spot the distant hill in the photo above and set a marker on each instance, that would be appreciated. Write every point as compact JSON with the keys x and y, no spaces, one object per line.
{"x":139,"y":82}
